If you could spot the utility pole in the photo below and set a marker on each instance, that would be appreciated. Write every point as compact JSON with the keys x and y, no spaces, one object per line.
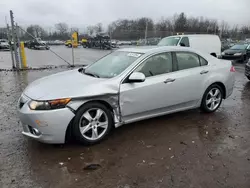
{"x":72,"y":42}
{"x":14,"y":37}
{"x":11,"y":50}
{"x":18,"y":43}
{"x":146,"y":32}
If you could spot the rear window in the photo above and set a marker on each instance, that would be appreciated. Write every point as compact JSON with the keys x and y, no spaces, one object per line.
{"x":203,"y":62}
{"x":187,"y":60}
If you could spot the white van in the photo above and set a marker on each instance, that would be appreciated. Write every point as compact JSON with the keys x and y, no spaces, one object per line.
{"x":206,"y":43}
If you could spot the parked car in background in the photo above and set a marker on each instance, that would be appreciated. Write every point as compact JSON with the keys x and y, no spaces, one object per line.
{"x":128,"y":85}
{"x":4,"y":44}
{"x":210,"y":44}
{"x":55,"y":42}
{"x":37,"y":45}
{"x":239,"y":52}
{"x":247,"y":70}
{"x":121,"y":43}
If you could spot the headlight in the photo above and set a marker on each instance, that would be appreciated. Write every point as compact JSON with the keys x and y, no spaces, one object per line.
{"x":223,"y":53}
{"x":237,"y":54}
{"x":49,"y":105}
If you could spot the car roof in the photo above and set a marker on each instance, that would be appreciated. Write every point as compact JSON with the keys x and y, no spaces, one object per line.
{"x":192,"y":35}
{"x":153,"y":49}
{"x":147,"y":50}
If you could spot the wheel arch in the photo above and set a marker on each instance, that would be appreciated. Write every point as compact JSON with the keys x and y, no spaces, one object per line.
{"x":223,"y":87}
{"x":113,"y":110}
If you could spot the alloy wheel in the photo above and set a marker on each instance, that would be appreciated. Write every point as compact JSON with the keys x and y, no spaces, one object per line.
{"x":213,"y":99}
{"x":93,"y":124}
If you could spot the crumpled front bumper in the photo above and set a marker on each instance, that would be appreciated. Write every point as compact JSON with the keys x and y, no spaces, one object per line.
{"x":48,"y":126}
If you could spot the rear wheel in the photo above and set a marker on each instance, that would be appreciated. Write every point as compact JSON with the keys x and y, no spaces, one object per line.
{"x":212,"y":98}
{"x":92,"y":123}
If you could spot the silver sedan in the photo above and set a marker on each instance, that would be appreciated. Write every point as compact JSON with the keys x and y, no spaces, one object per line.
{"x":125,"y":86}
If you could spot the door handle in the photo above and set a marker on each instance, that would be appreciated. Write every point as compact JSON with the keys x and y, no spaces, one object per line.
{"x":169,"y":80}
{"x":204,"y":72}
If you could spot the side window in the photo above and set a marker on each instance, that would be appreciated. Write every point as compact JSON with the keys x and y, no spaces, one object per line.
{"x":185,"y":41}
{"x":156,"y":65}
{"x":203,"y":61}
{"x":187,"y":60}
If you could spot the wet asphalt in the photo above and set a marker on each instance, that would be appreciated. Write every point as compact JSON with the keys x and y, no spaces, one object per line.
{"x":186,"y":149}
{"x":47,"y":58}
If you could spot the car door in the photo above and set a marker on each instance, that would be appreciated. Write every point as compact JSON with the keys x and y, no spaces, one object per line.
{"x":149,"y":97}
{"x":192,"y":71}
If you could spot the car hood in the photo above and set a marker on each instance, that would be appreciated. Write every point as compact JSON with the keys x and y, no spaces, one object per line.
{"x":69,"y":84}
{"x":230,"y":51}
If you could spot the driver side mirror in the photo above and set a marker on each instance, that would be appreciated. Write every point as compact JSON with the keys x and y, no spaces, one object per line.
{"x":137,"y":77}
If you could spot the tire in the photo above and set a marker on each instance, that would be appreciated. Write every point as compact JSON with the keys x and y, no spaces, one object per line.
{"x":95,"y":129}
{"x":210,"y":103}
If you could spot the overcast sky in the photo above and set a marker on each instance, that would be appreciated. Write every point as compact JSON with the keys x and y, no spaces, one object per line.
{"x":81,"y":13}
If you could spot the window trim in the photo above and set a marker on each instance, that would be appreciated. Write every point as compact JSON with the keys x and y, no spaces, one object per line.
{"x":124,"y":80}
{"x":187,"y":39}
{"x":200,"y":61}
{"x":176,"y":61}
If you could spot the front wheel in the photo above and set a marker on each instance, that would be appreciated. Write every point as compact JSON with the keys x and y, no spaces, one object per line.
{"x":212,"y":98}
{"x":92,"y":123}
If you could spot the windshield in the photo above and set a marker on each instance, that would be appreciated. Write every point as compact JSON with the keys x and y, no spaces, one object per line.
{"x":239,"y":47}
{"x":112,"y":64}
{"x":169,"y":41}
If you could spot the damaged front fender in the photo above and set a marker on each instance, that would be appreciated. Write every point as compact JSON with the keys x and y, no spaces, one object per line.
{"x":109,"y":100}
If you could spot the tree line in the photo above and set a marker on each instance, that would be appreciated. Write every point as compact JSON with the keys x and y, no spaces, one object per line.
{"x":134,"y":29}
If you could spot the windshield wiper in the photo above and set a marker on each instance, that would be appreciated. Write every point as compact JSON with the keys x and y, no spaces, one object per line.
{"x":82,"y":70}
{"x":91,"y":74}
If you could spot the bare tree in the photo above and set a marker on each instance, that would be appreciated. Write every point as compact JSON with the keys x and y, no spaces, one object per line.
{"x":224,"y":27}
{"x":62,"y":28}
{"x":98,"y":28}
{"x":36,"y":31}
{"x":75,"y":29}
{"x":90,"y":30}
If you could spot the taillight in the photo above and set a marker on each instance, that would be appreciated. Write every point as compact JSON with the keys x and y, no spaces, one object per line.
{"x":232,"y":69}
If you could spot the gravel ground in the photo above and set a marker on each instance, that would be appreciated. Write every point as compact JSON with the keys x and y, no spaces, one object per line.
{"x":187,"y":149}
